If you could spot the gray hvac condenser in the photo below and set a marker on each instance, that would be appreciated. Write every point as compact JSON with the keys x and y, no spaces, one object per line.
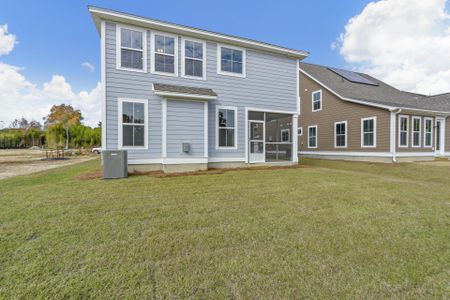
{"x":115,"y":164}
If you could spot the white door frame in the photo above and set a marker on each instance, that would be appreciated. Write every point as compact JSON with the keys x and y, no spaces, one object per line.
{"x":442,"y":136}
{"x":262,"y":156}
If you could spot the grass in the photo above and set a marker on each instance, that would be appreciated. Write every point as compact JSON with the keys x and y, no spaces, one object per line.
{"x":330,"y":230}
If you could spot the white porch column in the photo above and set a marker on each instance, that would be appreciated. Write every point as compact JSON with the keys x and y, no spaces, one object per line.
{"x":294,"y":138}
{"x":205,"y":138}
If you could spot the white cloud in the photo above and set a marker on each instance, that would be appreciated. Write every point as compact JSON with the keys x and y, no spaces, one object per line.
{"x":20,"y":97}
{"x":88,"y":66}
{"x":7,"y":40}
{"x":403,"y":42}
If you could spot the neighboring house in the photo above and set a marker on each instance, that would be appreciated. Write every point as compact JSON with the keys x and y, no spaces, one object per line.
{"x":349,"y":115}
{"x":180,"y":98}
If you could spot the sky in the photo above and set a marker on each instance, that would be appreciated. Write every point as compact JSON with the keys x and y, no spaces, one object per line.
{"x":50,"y":50}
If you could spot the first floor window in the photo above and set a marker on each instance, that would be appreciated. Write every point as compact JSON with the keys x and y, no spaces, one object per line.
{"x":368,"y":132}
{"x":300,"y":131}
{"x":403,"y":131}
{"x":416,"y":129}
{"x":340,"y":134}
{"x":312,"y":137}
{"x":428,"y":132}
{"x":132,"y":49}
{"x":285,"y":135}
{"x":133,"y":121}
{"x":226,"y":124}
{"x":317,"y":101}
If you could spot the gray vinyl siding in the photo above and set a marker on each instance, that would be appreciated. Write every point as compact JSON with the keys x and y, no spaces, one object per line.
{"x":185,"y":123}
{"x":270,"y":83}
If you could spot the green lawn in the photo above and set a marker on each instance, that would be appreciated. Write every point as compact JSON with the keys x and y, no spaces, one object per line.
{"x":330,"y":230}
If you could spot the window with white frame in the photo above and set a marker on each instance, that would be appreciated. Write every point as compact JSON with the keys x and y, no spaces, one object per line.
{"x":416,"y":131}
{"x":428,"y":132}
{"x":131,"y":50}
{"x":226,"y":127}
{"x":340,"y":134}
{"x":403,"y":127}
{"x":164,"y":54}
{"x":193,"y":58}
{"x":312,"y":136}
{"x":132,"y":123}
{"x":369,"y":132}
{"x":300,"y":131}
{"x":286,"y":135}
{"x":231,"y":61}
{"x":317,"y":100}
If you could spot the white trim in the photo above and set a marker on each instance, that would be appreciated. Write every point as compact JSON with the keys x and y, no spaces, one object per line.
{"x":246,"y":136}
{"x":299,"y":106}
{"x":205,"y":129}
{"x":164,"y":128}
{"x":366,"y":102}
{"x":374,"y":132}
{"x":152,"y":53}
{"x":226,"y":159}
{"x":271,"y":111}
{"x":183,"y":60}
{"x":368,"y":154}
{"x":145,"y":161}
{"x":294,"y":138}
{"x":185,"y":96}
{"x":119,"y":47}
{"x":99,"y":13}
{"x":317,"y":141}
{"x":425,"y":132}
{"x":441,"y":138}
{"x":234,"y":108}
{"x":346,"y":131}
{"x":120,"y":124}
{"x":412,"y":131}
{"x":400,"y":117}
{"x":312,"y":100}
{"x":176,"y":161}
{"x":219,"y":64}
{"x":103,"y":81}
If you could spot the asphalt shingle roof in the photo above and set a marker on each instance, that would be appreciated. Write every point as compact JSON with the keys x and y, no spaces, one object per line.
{"x":382,"y":93}
{"x":179,"y":89}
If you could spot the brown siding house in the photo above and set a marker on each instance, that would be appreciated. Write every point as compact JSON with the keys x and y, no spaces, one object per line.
{"x":350,"y":115}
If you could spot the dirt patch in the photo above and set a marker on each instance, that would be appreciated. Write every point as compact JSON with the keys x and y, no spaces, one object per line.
{"x":95,"y":174}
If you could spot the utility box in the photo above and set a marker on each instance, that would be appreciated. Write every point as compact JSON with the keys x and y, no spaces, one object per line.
{"x":186,"y":147}
{"x":115,"y":164}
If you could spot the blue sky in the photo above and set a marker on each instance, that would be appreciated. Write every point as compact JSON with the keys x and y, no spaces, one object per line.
{"x":56,"y":37}
{"x":406,"y":43}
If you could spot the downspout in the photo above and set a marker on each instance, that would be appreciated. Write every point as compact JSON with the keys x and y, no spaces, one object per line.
{"x":393,"y":144}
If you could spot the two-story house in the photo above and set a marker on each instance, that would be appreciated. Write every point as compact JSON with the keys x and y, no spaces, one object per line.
{"x":180,"y":98}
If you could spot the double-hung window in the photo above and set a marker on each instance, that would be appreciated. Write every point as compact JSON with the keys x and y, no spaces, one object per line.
{"x":312,"y":136}
{"x":231,"y":61}
{"x":131,"y":49}
{"x":226,"y":127}
{"x":428,"y":132}
{"x":403,"y":127}
{"x":164,"y":54}
{"x":369,"y":132}
{"x":286,"y":135}
{"x":317,"y":100}
{"x":416,"y":131}
{"x":132,"y":123}
{"x":340,"y":134}
{"x":193,"y":55}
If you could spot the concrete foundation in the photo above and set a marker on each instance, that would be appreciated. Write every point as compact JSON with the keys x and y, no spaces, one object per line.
{"x":376,"y":159}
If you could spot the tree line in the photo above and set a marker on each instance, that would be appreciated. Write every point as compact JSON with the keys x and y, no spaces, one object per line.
{"x":62,"y":128}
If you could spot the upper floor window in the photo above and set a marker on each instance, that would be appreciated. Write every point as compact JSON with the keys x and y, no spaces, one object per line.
{"x":164,"y":54}
{"x":369,"y":132}
{"x":193,"y":55}
{"x":403,"y":126}
{"x":226,"y":127}
{"x":428,"y":132}
{"x":317,"y":100}
{"x":131,"y":49}
{"x":416,"y":131}
{"x":231,"y":61}
{"x":132,"y":123}
{"x":340,"y":134}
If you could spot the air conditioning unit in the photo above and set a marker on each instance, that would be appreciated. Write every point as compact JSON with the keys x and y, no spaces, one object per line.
{"x":115,"y":164}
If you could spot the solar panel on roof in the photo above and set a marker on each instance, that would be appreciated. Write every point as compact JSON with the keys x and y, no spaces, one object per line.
{"x":352,"y":76}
